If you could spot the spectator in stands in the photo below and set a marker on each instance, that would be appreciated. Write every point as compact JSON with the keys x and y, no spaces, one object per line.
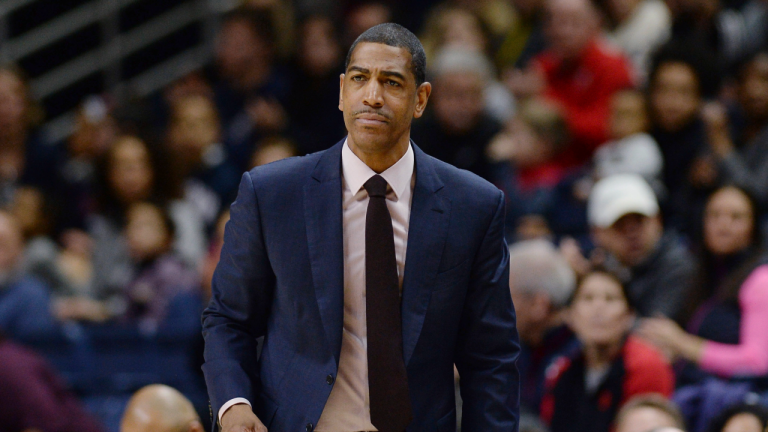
{"x":631,"y":149}
{"x":315,"y":82}
{"x":626,"y":226}
{"x":95,"y":131}
{"x":363,"y":15}
{"x":733,"y":30}
{"x":541,"y":283}
{"x":24,"y":157}
{"x":252,"y":89}
{"x":203,"y":175}
{"x":272,"y":149}
{"x":25,"y":309}
{"x":740,"y":145}
{"x":727,"y":332}
{"x":638,"y":27}
{"x":458,"y":128}
{"x":159,"y":408}
{"x":450,"y":25}
{"x":65,"y":270}
{"x":525,"y":39}
{"x":579,"y":71}
{"x":585,"y":391}
{"x":741,"y":418}
{"x":680,"y":79}
{"x":163,"y":285}
{"x":648,"y":412}
{"x":525,"y":168}
{"x":33,"y":397}
{"x":453,"y":29}
{"x":131,"y":172}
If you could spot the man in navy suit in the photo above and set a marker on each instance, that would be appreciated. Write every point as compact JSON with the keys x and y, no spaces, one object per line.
{"x":356,"y":337}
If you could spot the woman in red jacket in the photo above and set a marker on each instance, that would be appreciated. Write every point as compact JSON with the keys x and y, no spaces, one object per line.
{"x":585,"y":390}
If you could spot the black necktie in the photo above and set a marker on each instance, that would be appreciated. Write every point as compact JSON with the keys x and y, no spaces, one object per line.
{"x":387,"y":379}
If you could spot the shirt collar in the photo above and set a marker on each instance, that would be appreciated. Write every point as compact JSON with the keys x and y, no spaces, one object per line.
{"x":356,"y":172}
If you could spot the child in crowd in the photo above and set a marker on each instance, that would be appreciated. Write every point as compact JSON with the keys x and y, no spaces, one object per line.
{"x":632,"y":150}
{"x":525,"y":168}
{"x":162,"y":280}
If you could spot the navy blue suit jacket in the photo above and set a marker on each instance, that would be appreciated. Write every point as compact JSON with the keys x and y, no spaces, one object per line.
{"x":281,"y":276}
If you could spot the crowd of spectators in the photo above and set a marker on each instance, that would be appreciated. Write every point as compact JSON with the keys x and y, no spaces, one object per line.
{"x":629,"y":136}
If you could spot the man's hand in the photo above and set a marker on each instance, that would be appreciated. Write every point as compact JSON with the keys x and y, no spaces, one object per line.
{"x":240,"y":418}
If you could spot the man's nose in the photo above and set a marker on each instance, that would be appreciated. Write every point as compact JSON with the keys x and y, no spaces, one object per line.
{"x":373,"y":94}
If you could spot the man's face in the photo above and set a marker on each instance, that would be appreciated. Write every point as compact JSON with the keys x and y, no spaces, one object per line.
{"x":631,"y":238}
{"x":379,"y":97}
{"x":458,"y":101}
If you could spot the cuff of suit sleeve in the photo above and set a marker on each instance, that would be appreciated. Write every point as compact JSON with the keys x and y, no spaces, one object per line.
{"x":229,"y":404}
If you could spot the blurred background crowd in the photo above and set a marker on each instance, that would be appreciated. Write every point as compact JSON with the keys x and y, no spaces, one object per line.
{"x":629,"y":136}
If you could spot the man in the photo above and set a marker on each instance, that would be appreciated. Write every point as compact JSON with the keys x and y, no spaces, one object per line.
{"x":314,"y":259}
{"x":159,"y":408}
{"x":541,"y":282}
{"x":625,"y":222}
{"x":578,"y":71}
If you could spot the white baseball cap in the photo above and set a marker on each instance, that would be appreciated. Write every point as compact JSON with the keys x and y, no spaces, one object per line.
{"x":619,"y":195}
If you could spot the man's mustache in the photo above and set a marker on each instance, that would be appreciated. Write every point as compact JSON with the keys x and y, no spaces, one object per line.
{"x":372,"y":111}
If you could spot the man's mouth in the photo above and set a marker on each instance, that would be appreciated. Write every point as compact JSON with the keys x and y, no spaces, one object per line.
{"x":371,"y":119}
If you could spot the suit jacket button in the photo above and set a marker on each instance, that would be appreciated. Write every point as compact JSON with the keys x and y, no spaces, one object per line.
{"x":309,"y":427}
{"x":329,"y":379}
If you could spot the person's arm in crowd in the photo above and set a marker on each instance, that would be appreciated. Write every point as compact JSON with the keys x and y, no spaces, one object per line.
{"x":733,"y":166}
{"x":487,"y":346}
{"x":748,"y":358}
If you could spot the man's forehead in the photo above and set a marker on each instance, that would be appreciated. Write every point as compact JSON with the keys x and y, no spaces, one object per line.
{"x":377,"y":55}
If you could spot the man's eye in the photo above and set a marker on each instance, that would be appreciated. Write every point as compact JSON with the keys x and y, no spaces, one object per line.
{"x":357,"y":78}
{"x":393,"y":83}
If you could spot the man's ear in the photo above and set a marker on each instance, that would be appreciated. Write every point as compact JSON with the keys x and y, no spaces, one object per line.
{"x":422,"y":96}
{"x":341,"y":92}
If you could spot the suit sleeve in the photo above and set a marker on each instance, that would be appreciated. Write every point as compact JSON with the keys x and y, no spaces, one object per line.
{"x":488,"y":345}
{"x":236,"y":316}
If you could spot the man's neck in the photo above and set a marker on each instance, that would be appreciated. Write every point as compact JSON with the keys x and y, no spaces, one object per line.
{"x":380,"y":161}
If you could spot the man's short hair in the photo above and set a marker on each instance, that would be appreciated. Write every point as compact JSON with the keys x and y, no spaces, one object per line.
{"x":535,"y":266}
{"x":395,"y":35}
{"x":653,"y":401}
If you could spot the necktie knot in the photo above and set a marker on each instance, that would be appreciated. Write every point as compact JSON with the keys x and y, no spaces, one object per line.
{"x":376,"y":186}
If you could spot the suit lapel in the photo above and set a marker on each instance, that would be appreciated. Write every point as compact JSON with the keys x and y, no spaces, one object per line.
{"x":323,"y":215}
{"x":427,"y":233}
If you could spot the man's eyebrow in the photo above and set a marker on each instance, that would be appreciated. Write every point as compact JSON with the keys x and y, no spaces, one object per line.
{"x":359,"y":69}
{"x":393,"y":74}
{"x":384,"y":73}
